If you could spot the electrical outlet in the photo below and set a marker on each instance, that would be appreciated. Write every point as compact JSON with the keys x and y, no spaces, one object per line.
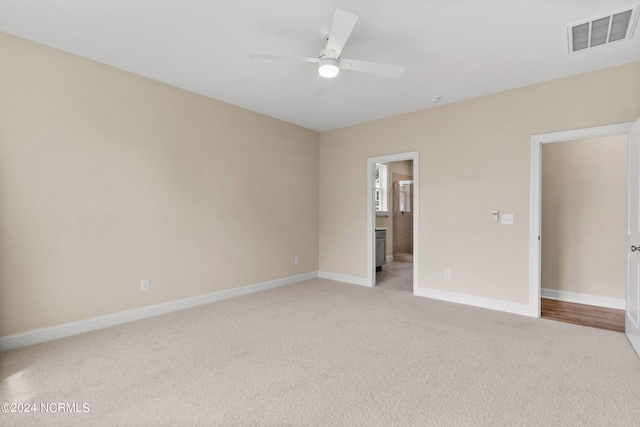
{"x":296,"y":260}
{"x":447,"y":274}
{"x":507,"y":219}
{"x":145,"y":285}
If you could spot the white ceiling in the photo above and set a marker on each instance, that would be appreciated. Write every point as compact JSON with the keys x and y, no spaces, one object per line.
{"x":454,"y":49}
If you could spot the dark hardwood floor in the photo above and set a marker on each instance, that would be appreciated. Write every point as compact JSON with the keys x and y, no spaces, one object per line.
{"x":580,"y":314}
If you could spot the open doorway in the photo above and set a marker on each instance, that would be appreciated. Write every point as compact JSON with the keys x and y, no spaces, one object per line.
{"x":394,"y":221}
{"x":537,"y":142}
{"x":393,"y":213}
{"x":584,"y":210}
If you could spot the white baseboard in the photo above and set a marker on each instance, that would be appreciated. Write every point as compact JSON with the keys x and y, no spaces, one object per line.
{"x":73,"y":328}
{"x":342,"y":278}
{"x":635,"y":342}
{"x":493,"y":304}
{"x":607,"y":302}
{"x":389,"y":258}
{"x":506,"y":306}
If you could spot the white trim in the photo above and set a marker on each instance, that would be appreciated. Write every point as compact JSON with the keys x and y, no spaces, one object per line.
{"x":535,"y":203}
{"x":361,"y":281}
{"x":493,"y":304}
{"x":371,"y":262}
{"x":60,"y":331}
{"x":634,"y":340}
{"x":389,"y":258}
{"x":617,"y":303}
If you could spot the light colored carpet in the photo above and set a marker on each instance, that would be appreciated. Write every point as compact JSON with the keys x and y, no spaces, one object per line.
{"x":322,"y":353}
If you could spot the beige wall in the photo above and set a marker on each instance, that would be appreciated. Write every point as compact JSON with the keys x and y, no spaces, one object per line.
{"x":107,"y":178}
{"x":404,"y":167}
{"x":474,"y":158}
{"x":584,"y":214}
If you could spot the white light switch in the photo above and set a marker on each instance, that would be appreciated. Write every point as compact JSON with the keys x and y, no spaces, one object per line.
{"x":507,"y":219}
{"x":495,"y":215}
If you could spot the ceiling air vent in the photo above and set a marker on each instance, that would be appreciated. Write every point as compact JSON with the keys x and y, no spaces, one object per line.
{"x":603,"y":29}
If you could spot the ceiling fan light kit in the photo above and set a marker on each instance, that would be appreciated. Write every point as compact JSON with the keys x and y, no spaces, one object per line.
{"x":328,"y":68}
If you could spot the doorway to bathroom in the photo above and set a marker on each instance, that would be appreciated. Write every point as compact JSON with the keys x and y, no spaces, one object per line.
{"x":393,"y":197}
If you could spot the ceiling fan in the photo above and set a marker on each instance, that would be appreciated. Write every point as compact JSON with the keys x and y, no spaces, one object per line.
{"x":329,"y":61}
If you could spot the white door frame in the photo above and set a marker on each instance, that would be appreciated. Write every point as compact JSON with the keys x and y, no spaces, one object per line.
{"x":631,"y":322}
{"x":535,"y":205}
{"x":371,"y":213}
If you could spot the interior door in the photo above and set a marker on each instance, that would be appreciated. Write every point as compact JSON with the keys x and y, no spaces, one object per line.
{"x":632,"y":315}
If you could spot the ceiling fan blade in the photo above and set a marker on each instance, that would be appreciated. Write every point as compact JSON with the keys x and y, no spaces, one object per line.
{"x":283,"y":57}
{"x":384,"y":70}
{"x":341,"y":28}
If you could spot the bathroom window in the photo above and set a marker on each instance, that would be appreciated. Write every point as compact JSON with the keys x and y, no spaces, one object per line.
{"x":381,"y":192}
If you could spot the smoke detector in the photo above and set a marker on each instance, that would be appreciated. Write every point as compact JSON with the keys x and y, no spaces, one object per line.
{"x":603,"y":29}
